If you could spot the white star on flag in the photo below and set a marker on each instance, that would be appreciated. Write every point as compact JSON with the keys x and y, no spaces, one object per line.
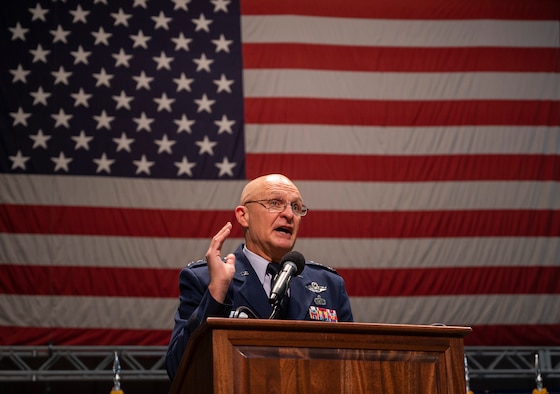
{"x":20,"y":117}
{"x":143,"y":165}
{"x":18,"y":161}
{"x":40,"y":139}
{"x":61,"y":162}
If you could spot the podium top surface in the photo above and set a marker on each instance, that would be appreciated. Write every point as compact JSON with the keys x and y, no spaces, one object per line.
{"x":213,"y":323}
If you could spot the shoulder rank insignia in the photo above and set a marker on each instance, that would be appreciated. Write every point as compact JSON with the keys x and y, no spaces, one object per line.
{"x":197,"y":263}
{"x":315,"y":264}
{"x":315,"y":288}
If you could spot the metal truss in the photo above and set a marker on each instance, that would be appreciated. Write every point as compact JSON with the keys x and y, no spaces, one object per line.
{"x":87,"y":363}
{"x":513,"y":362}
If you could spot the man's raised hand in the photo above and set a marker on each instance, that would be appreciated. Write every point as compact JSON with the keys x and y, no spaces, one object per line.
{"x":221,"y":274}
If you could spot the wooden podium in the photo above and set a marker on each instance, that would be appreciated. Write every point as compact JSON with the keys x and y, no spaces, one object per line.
{"x":285,"y":356}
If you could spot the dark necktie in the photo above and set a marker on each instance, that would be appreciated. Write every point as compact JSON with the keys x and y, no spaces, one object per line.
{"x":272,"y":269}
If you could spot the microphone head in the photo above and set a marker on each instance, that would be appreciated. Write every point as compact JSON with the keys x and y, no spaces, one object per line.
{"x":296,"y":258}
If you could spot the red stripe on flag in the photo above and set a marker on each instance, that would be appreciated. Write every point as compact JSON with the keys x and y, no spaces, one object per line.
{"x":406,"y":168}
{"x":420,"y":224}
{"x":360,"y":282}
{"x":351,"y":58}
{"x":89,"y":281}
{"x":514,"y":335}
{"x":38,"y":336}
{"x":497,"y":335}
{"x":409,"y":9}
{"x":401,"y":113}
{"x":44,"y":219}
{"x":319,"y":224}
{"x":450,"y":281}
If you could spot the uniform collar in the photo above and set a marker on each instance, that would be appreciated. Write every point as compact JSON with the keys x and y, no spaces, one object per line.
{"x":258,"y":263}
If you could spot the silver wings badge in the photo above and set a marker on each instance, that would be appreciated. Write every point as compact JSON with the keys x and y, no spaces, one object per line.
{"x":315,"y":288}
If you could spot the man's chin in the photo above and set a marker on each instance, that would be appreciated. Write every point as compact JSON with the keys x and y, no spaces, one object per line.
{"x":284,"y":246}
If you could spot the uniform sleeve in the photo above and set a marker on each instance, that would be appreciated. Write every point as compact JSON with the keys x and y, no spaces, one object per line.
{"x":345,"y":309}
{"x":195,"y":305}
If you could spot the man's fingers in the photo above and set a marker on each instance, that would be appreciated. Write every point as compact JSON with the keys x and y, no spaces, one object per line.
{"x":230,"y":259}
{"x":218,"y":240}
{"x":220,"y":274}
{"x":221,"y":236}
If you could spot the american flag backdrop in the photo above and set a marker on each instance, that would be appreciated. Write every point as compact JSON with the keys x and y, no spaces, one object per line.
{"x":424,"y":137}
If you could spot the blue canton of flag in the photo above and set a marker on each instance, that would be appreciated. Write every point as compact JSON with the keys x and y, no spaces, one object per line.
{"x":122,"y":89}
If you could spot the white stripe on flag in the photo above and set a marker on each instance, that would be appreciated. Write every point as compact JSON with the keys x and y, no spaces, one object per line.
{"x":378,"y":140}
{"x":224,"y":196}
{"x":353,"y":85}
{"x":136,"y":252}
{"x":153,"y":313}
{"x":88,"y":312}
{"x":459,"y":310}
{"x":398,"y":33}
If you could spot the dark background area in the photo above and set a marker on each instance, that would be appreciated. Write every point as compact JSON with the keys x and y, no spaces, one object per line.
{"x":479,"y":386}
{"x":83,"y":387}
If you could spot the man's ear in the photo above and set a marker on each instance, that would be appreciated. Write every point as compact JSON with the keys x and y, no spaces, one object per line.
{"x":242,"y":215}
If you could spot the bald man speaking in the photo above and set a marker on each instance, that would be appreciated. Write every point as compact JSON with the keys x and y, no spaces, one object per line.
{"x":262,"y":278}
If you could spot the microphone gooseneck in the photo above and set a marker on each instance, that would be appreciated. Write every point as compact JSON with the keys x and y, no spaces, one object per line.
{"x":292,"y":264}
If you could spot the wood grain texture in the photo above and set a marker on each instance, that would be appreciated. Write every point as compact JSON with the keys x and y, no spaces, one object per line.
{"x":228,"y":356}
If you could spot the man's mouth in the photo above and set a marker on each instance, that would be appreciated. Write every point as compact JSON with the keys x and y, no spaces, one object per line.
{"x":285,"y":230}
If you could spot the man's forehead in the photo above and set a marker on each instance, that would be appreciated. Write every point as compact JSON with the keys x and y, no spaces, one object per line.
{"x":265,"y":186}
{"x":283,"y":190}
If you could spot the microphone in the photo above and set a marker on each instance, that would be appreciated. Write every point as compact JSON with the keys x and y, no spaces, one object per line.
{"x":292,"y":264}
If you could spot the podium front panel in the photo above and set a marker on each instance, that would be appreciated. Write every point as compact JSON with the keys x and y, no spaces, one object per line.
{"x":313,"y":357}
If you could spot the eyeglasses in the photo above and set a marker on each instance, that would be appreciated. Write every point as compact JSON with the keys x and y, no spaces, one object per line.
{"x":278,"y":205}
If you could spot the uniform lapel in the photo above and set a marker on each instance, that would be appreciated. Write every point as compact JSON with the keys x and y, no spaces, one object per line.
{"x":301,"y":299}
{"x":249,"y":289}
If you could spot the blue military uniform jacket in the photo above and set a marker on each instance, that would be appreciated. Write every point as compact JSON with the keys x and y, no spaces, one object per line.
{"x":318,"y":289}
